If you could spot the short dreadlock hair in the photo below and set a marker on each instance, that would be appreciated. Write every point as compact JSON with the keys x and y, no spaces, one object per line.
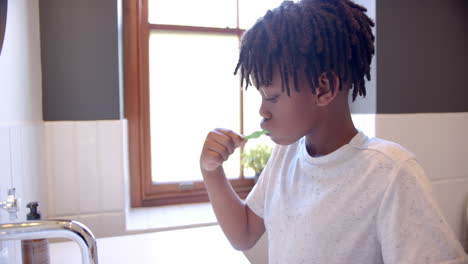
{"x":309,"y":37}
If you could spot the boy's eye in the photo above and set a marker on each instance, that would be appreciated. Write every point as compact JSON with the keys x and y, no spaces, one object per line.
{"x":272,"y":99}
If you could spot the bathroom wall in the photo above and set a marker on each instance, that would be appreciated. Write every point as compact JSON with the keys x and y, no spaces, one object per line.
{"x":85,"y":169}
{"x":83,"y":112}
{"x":422,"y":91}
{"x":21,"y":127}
{"x":80,"y":58}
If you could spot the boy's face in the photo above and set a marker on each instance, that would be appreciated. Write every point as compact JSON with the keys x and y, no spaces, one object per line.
{"x":288,"y":118}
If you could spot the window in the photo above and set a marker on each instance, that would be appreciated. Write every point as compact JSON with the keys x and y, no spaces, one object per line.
{"x":179,"y":84}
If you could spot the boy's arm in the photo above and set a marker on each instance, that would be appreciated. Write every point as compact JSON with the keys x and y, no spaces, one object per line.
{"x":240,"y":225}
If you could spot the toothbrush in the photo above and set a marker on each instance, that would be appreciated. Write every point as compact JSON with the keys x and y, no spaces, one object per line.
{"x":256,"y":134}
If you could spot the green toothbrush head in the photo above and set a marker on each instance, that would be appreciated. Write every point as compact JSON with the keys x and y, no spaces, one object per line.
{"x":256,"y":134}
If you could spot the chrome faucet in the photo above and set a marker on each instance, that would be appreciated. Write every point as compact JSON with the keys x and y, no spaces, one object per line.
{"x":54,"y":229}
{"x":11,"y":204}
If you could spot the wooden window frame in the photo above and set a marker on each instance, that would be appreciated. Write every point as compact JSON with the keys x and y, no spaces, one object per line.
{"x":136,"y":81}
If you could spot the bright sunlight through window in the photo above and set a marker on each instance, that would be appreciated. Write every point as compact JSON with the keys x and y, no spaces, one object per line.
{"x":192,"y":86}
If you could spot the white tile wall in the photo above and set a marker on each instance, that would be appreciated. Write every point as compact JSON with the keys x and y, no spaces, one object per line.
{"x":74,"y":169}
{"x":21,"y":167}
{"x":64,"y":186}
{"x":33,"y":166}
{"x":7,"y":248}
{"x":439,"y":140}
{"x":5,"y":164}
{"x":17,"y":168}
{"x":85,"y":167}
{"x":110,"y":165}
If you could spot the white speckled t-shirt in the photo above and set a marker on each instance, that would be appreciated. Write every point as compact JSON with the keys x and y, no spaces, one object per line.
{"x":368,"y":202}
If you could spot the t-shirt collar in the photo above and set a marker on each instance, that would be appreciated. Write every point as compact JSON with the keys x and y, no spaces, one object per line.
{"x":342,"y":153}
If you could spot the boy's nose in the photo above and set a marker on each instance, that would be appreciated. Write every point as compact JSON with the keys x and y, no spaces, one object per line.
{"x":264,"y":112}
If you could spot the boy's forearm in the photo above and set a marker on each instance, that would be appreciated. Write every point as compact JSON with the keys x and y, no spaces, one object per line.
{"x":230,"y":210}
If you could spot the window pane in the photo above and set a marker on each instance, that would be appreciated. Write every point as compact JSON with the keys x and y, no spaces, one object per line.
{"x":192,"y":91}
{"x":203,"y":13}
{"x":250,"y":11}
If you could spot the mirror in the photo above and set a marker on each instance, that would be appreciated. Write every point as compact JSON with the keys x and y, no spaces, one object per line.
{"x":3,"y":14}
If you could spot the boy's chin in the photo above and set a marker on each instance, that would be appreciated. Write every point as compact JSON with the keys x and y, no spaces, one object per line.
{"x":283,"y":141}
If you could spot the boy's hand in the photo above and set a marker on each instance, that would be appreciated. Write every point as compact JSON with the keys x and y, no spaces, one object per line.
{"x":219,"y":145}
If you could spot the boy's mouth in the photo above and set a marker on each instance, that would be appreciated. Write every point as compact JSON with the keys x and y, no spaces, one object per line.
{"x":264,"y":128}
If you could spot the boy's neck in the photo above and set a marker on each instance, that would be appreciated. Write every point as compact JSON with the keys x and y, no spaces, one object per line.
{"x":331,"y":136}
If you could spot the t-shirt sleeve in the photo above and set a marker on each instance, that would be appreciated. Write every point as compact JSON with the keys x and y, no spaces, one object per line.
{"x":256,"y":198}
{"x":411,"y":228}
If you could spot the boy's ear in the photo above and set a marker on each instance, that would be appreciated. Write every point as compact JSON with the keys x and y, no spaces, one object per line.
{"x":327,"y":89}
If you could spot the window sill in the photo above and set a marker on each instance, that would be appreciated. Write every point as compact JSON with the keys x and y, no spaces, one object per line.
{"x":169,"y":217}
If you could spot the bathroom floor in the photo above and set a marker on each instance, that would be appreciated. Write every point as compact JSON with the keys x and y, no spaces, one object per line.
{"x":195,"y":245}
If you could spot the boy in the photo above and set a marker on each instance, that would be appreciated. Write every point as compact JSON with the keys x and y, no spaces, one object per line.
{"x":328,"y":194}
